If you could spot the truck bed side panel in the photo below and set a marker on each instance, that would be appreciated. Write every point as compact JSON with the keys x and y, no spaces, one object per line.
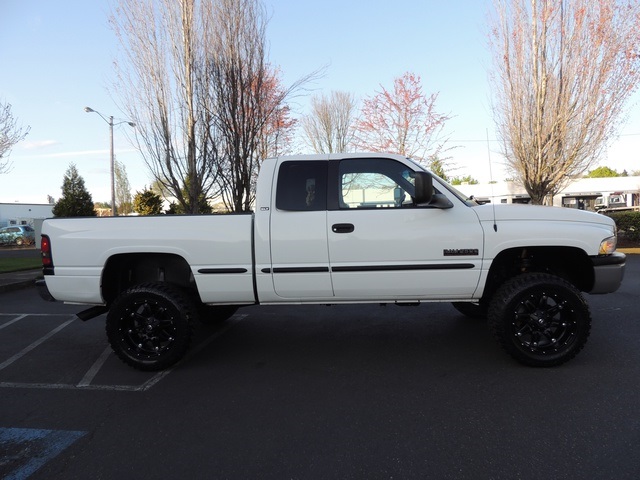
{"x":216,"y":247}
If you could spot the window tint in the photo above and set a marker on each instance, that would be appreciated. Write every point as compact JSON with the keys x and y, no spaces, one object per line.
{"x":375,"y":183}
{"x":302,"y":186}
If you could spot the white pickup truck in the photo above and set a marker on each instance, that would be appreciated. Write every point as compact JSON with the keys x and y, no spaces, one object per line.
{"x":338,"y":229}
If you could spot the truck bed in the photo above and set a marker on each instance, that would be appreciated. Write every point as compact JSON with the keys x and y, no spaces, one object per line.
{"x":217,"y":248}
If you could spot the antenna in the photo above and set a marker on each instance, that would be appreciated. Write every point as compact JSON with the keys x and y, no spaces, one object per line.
{"x":493,"y":197}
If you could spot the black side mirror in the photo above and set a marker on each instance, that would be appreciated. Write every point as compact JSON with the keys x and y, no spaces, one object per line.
{"x":424,"y":188}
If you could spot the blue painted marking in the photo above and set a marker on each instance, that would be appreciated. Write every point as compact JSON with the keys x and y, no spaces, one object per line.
{"x":25,"y":450}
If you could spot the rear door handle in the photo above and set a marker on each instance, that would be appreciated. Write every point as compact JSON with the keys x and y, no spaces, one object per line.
{"x":343,"y":228}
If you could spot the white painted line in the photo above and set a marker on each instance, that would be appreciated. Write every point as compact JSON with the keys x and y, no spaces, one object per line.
{"x":95,"y":368}
{"x":17,"y":319}
{"x":85,"y":383}
{"x":26,"y":350}
{"x":67,"y":386}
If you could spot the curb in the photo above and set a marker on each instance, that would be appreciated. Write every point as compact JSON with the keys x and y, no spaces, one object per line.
{"x":14,"y":282}
{"x":10,"y":287}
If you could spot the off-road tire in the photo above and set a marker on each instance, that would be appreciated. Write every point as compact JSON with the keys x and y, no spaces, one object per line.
{"x":150,"y":326}
{"x":540,"y":319}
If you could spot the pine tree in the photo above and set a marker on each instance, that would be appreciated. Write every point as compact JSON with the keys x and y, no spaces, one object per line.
{"x":147,"y":203}
{"x":76,"y":201}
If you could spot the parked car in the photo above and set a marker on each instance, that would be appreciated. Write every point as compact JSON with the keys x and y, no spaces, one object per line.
{"x":17,"y":235}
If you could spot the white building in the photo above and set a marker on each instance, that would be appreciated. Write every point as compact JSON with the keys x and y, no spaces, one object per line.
{"x":23,"y":213}
{"x":580,"y":193}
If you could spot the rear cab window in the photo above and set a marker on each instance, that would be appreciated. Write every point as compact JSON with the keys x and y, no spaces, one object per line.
{"x":302,"y":186}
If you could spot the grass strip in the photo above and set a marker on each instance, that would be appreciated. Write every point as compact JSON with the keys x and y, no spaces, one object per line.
{"x":18,"y":264}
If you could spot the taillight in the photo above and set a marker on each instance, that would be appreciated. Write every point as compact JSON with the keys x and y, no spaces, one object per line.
{"x":47,"y":259}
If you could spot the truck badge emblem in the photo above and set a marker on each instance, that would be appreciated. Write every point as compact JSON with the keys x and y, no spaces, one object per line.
{"x":452,"y":252}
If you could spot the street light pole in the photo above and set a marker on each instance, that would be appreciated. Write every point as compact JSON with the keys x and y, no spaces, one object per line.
{"x":112,"y":161}
{"x":112,"y":164}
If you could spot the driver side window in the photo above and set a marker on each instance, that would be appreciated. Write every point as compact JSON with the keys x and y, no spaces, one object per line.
{"x":375,"y":183}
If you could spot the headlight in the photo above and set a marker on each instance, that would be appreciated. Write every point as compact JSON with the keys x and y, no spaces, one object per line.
{"x":608,"y":245}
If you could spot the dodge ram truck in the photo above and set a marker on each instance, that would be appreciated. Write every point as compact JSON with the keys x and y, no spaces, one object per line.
{"x":338,"y":229}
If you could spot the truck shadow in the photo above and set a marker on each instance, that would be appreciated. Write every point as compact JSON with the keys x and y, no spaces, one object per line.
{"x":362,"y":338}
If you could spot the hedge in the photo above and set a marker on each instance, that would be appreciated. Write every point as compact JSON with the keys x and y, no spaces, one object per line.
{"x":628,"y":224}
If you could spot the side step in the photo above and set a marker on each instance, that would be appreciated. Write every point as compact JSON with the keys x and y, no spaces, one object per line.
{"x":92,"y":312}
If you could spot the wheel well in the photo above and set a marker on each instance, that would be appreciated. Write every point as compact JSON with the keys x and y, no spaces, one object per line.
{"x":569,"y":263}
{"x":125,"y":270}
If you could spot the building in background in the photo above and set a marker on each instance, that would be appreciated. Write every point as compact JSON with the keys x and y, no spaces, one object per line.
{"x":582,"y":193}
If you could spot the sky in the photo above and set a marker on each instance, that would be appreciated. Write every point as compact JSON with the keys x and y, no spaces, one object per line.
{"x":57,"y":58}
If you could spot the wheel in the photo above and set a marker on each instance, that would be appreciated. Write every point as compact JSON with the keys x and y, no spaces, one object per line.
{"x":150,"y":326}
{"x":471,"y":310}
{"x":212,"y":314}
{"x":19,"y":241}
{"x":541,"y":320}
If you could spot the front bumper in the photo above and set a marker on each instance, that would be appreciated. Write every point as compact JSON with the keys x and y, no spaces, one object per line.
{"x":41,"y":286}
{"x":608,"y":272}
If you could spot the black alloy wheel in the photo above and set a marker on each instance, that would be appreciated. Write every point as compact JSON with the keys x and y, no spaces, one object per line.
{"x":150,"y":326}
{"x":539,"y":319}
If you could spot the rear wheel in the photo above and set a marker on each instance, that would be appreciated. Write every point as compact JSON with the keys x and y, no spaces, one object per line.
{"x":541,"y":320}
{"x":150,"y":326}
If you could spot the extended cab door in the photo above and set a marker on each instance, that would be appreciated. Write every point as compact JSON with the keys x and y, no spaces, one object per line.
{"x":298,"y":231}
{"x":383,"y":246}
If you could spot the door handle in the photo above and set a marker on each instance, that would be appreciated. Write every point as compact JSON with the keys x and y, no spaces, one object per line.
{"x":343,"y":228}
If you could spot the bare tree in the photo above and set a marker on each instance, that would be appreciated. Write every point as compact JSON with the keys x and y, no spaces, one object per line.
{"x":250,"y":100}
{"x":403,"y":120}
{"x":10,"y":134}
{"x":163,"y":85}
{"x":276,"y":136}
{"x":197,"y":82}
{"x":563,"y":73}
{"x":329,"y":126}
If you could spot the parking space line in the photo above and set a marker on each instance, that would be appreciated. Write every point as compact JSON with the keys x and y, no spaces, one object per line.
{"x":95,"y":368}
{"x":38,"y":342}
{"x":10,"y":322}
{"x":85,"y":383}
{"x":68,"y":386}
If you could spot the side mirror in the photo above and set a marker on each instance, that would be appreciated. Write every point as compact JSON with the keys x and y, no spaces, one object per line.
{"x":424,"y":188}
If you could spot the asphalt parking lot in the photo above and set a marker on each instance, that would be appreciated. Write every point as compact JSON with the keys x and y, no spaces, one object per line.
{"x":319,"y":392}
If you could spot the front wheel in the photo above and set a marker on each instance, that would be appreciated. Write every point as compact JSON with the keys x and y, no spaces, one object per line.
{"x":541,"y":320}
{"x":150,"y":326}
